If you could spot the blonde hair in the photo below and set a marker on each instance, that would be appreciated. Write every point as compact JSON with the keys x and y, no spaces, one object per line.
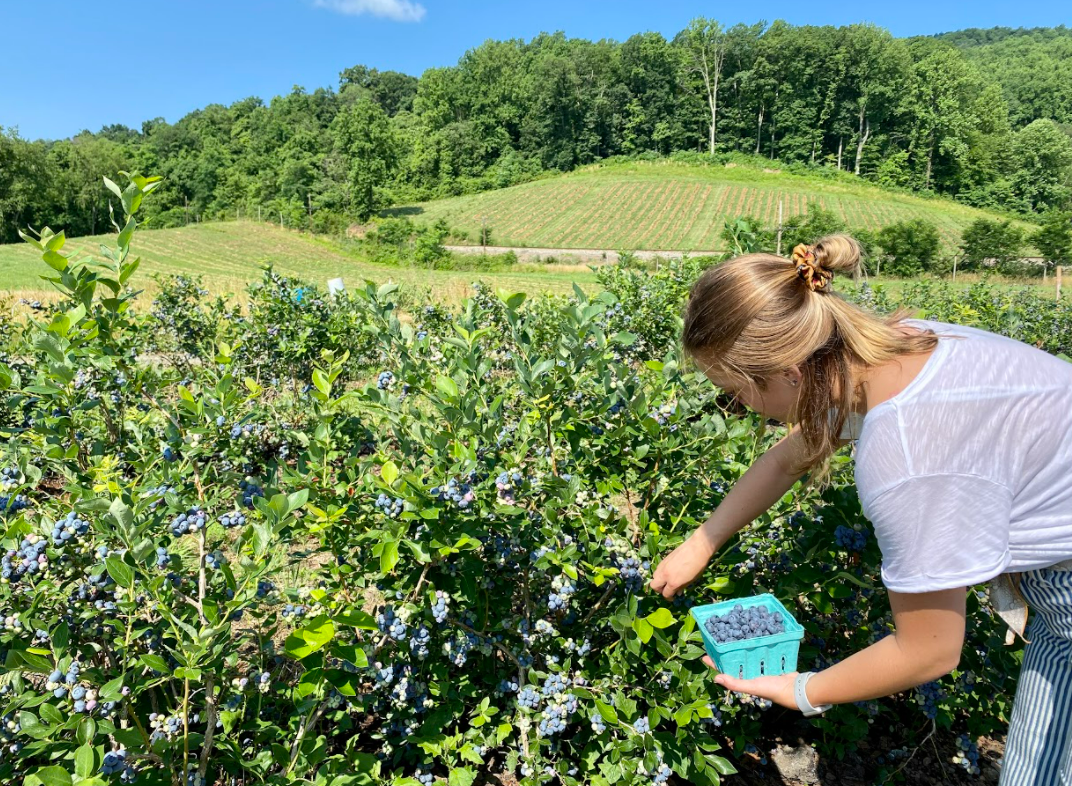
{"x":756,"y":316}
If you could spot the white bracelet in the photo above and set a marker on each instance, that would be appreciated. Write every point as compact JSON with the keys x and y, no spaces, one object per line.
{"x":801,"y":694}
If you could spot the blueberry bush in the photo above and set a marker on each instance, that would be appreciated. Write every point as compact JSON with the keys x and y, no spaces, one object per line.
{"x":342,"y":541}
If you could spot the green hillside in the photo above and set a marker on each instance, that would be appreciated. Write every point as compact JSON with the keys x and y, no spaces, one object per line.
{"x":228,"y":255}
{"x":670,"y":206}
{"x":1032,"y":65}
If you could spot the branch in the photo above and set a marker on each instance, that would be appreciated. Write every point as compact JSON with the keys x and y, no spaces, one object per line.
{"x":210,"y":725}
{"x":493,"y":643}
{"x":611,"y":584}
{"x":916,"y":750}
{"x":314,"y":716}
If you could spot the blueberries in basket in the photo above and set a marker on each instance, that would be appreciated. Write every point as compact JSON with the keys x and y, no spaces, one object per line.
{"x":740,"y":624}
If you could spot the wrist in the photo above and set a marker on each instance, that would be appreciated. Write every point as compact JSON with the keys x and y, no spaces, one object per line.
{"x":801,"y":695}
{"x":705,"y":540}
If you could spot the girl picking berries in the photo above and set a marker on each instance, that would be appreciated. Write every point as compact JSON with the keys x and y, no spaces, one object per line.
{"x":963,"y":464}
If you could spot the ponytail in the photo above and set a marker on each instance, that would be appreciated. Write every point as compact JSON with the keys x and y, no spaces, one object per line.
{"x":757,"y":315}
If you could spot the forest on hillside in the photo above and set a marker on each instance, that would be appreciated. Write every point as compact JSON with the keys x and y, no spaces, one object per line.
{"x":1032,"y":65}
{"x":981,"y":116}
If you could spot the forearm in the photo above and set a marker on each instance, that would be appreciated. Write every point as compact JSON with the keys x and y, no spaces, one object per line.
{"x":762,"y":485}
{"x":883,"y":669}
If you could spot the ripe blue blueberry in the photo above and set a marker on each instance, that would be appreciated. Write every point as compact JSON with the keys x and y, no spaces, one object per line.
{"x":850,"y":539}
{"x":440,"y":606}
{"x":193,"y":520}
{"x":740,"y":624}
{"x":235,"y":518}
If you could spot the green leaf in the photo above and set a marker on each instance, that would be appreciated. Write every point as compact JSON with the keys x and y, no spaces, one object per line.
{"x":54,"y":776}
{"x":51,"y":714}
{"x":625,"y":338}
{"x":461,"y":776}
{"x":85,"y":761}
{"x":721,"y":584}
{"x":310,"y":638}
{"x":389,"y":473}
{"x":358,"y":619}
{"x":31,"y":726}
{"x":721,"y":766}
{"x":113,"y":188}
{"x":128,"y":270}
{"x":156,"y":663}
{"x":54,"y":260}
{"x":60,"y":325}
{"x":320,"y":381}
{"x":297,"y":499}
{"x":607,"y":712}
{"x":87,"y":729}
{"x":122,"y":514}
{"x":512,"y":299}
{"x":120,"y":572}
{"x":661,"y":618}
{"x":128,"y":231}
{"x":643,"y":629}
{"x":845,"y":576}
{"x":389,"y":556}
{"x":47,"y":343}
{"x":447,"y":386}
{"x":419,"y":551}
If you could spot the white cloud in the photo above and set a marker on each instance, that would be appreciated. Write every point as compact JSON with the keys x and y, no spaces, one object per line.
{"x":398,"y":10}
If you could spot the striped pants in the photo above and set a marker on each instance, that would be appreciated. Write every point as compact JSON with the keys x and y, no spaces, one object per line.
{"x":1038,"y":749}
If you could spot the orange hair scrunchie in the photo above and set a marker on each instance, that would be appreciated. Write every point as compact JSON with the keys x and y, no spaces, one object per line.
{"x":811,"y":273}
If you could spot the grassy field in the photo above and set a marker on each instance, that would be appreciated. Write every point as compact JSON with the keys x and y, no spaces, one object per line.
{"x":653,"y":206}
{"x":669,"y":206}
{"x":229,"y":255}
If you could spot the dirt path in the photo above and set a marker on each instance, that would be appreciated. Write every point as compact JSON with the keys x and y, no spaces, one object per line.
{"x":588,"y":255}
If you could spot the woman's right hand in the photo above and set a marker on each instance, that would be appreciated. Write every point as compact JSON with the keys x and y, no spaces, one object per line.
{"x":683,"y":564}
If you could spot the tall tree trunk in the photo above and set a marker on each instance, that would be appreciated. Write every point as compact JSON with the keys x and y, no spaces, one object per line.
{"x":865,"y":132}
{"x":711,"y":73}
{"x":711,"y":132}
{"x":713,"y":103}
{"x":759,"y":129}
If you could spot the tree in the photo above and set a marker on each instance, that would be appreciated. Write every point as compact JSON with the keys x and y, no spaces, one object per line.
{"x":704,"y":44}
{"x":877,"y":65}
{"x":1054,"y":238}
{"x":909,"y":247}
{"x":985,"y":241}
{"x":649,"y":67}
{"x":363,"y":137}
{"x":1042,"y":165}
{"x":810,"y":226}
{"x":392,"y":90}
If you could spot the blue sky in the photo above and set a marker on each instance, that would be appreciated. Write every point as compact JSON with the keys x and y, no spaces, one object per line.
{"x":68,"y":65}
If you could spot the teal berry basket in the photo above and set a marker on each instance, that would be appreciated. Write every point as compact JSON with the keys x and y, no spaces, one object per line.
{"x":757,"y":657}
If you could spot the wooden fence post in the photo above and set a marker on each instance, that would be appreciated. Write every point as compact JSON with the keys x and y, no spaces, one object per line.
{"x":1057,"y":275}
{"x":955,"y":258}
{"x":779,"y":249}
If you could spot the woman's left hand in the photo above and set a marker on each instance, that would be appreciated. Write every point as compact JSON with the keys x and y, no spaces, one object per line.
{"x":778,"y":689}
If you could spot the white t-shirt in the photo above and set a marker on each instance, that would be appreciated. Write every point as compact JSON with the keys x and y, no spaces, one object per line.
{"x":967,"y":472}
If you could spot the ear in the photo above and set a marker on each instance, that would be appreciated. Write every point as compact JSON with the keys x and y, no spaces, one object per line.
{"x":793,"y":376}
